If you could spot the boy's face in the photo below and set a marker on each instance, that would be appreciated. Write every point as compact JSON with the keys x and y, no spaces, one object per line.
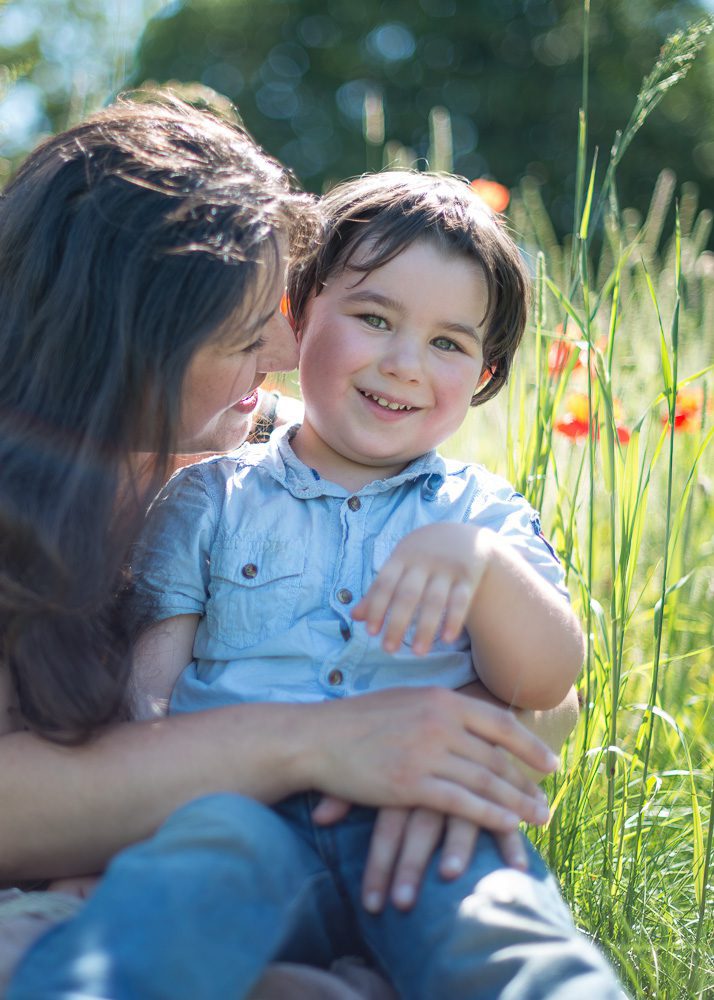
{"x":389,"y":362}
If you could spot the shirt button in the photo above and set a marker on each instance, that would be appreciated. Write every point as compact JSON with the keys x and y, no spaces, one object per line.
{"x":354,"y":503}
{"x":345,"y":631}
{"x":344,"y":596}
{"x":335,"y":677}
{"x":249,"y":571}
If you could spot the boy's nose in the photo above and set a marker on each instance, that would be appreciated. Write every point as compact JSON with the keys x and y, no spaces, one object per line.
{"x":402,"y":359}
{"x":280,"y":353}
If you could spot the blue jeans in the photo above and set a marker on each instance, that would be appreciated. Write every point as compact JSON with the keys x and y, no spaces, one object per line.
{"x":228,"y":885}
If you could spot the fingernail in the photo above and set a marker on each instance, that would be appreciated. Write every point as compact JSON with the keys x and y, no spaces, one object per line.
{"x":519,"y":861}
{"x":553,"y":762}
{"x":453,"y":865}
{"x":403,"y":895}
{"x":373,"y":902}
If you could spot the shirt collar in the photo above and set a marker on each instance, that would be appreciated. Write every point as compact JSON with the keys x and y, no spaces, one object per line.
{"x":279,"y":460}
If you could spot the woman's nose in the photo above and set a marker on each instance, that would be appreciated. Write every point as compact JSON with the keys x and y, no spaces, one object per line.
{"x":280,"y":353}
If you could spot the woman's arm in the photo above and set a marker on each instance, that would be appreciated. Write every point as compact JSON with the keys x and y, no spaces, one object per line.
{"x":65,"y":809}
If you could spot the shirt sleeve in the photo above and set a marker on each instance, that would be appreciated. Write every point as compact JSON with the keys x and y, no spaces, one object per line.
{"x":511,"y":516}
{"x":170,"y":563}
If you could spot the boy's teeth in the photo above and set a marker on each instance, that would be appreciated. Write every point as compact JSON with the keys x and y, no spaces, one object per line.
{"x":385,"y":402}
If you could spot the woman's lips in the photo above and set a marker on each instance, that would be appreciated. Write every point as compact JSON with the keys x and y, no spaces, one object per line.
{"x":248,"y":403}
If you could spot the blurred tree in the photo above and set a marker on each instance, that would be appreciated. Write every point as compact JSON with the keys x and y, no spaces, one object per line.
{"x":508,"y":71}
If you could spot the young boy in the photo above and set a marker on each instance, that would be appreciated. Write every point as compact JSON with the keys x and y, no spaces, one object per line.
{"x":347,"y":556}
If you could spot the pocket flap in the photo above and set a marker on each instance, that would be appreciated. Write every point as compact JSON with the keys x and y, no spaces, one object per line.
{"x":254,"y":562}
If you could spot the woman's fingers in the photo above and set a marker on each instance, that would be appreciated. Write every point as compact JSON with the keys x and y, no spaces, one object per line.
{"x":501,"y":728}
{"x":383,"y":850}
{"x":492,"y":788}
{"x":459,"y":845}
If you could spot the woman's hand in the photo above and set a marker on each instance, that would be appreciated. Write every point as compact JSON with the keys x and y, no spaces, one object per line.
{"x":433,"y":748}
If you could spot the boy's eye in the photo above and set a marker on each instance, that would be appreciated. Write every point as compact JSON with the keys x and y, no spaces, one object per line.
{"x":377,"y":322}
{"x":445,"y":344}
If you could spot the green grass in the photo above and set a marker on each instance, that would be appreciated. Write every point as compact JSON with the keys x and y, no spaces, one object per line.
{"x":631,"y":833}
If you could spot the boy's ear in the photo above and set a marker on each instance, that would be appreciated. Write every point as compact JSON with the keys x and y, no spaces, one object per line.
{"x":485,"y":377}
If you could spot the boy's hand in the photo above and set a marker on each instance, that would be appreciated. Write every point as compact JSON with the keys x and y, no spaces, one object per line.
{"x":431,"y":578}
{"x":403,"y":842}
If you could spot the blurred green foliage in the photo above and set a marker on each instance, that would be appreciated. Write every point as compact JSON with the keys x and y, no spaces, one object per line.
{"x":508,"y":71}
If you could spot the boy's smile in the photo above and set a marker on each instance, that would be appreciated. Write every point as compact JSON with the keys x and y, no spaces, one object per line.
{"x":389,"y":362}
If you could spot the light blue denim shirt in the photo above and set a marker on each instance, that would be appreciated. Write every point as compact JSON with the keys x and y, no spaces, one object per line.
{"x":273,"y":557}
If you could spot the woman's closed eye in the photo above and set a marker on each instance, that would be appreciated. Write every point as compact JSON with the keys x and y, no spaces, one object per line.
{"x":257,"y":344}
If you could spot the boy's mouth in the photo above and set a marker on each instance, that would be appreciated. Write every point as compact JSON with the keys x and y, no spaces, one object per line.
{"x":386,"y":404}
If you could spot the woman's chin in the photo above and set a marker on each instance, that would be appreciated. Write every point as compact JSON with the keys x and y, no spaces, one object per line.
{"x":229,"y":431}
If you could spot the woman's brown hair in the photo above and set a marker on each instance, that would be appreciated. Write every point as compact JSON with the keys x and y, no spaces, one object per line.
{"x":126,"y":243}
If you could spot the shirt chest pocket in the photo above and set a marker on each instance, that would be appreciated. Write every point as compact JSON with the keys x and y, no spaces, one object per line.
{"x":254,"y":589}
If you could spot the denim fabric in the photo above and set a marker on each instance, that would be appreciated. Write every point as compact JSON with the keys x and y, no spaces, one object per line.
{"x":274,"y":557}
{"x":228,"y":885}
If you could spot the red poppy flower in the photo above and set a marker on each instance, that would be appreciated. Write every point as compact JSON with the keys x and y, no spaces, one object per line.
{"x":561,"y":350}
{"x":493,"y":194}
{"x":574,"y":422}
{"x":687,"y":410}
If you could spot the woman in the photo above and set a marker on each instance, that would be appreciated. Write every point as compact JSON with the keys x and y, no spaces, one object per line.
{"x":142,"y":259}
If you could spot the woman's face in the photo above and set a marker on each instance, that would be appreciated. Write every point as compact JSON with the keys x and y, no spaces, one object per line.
{"x":220,"y":386}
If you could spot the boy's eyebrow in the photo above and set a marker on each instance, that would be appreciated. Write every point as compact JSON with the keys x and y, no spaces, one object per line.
{"x":396,"y":306}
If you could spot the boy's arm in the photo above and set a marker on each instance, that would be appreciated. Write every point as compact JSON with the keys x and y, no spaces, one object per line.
{"x":526,"y":641}
{"x":161,"y":653}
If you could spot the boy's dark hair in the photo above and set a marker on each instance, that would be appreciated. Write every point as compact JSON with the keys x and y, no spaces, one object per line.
{"x":379,"y":215}
{"x":126,"y":243}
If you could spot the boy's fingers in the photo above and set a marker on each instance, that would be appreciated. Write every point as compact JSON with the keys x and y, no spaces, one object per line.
{"x":384,"y":846}
{"x":430,"y":612}
{"x":330,"y":809}
{"x":459,"y":845}
{"x":422,"y":834}
{"x":457,"y":609}
{"x":512,"y":849}
{"x":372,"y":609}
{"x":405,"y":600}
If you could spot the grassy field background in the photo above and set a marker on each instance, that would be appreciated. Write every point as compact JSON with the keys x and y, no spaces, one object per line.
{"x":607,"y":425}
